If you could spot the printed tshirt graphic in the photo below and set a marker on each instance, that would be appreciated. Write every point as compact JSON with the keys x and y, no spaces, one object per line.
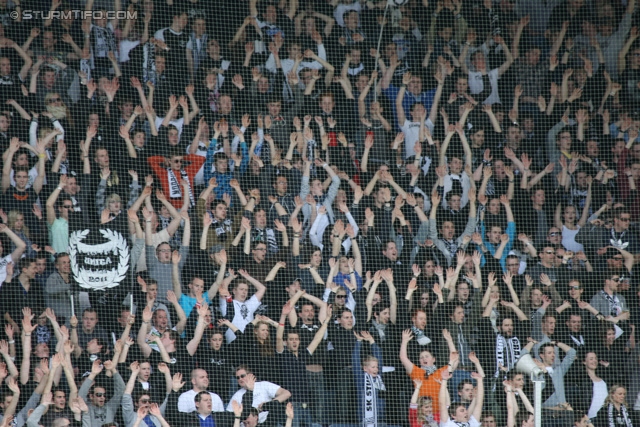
{"x":99,"y":257}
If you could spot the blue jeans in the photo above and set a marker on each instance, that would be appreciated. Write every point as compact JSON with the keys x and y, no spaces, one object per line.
{"x":301,"y":415}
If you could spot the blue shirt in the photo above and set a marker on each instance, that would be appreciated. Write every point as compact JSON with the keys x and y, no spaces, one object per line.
{"x":340,"y":278}
{"x":426,"y":98}
{"x":187,"y":303}
{"x":511,"y":232}
{"x":223,"y":179}
{"x":207,"y":422}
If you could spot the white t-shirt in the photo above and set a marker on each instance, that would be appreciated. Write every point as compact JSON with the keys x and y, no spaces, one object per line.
{"x":599,"y":394}
{"x":263,"y":392}
{"x":412,"y":135}
{"x":3,"y":267}
{"x":472,"y":423}
{"x":465,"y":182}
{"x":239,"y":320}
{"x":127,"y":46}
{"x":476,"y":86}
{"x":178,"y":123}
{"x":186,"y":402}
{"x":341,"y":9}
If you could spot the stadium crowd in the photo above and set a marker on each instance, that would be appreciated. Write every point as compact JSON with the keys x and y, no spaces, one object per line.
{"x":335,"y":212}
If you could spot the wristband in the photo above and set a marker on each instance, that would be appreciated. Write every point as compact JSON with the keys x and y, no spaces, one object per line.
{"x":42,"y":155}
{"x":27,"y":335}
{"x":280,"y":324}
{"x":11,"y":342}
{"x":60,"y":188}
{"x":238,"y":418}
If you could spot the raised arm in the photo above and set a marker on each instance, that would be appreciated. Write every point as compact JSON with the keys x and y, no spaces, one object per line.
{"x":406,"y":78}
{"x":192,"y":346}
{"x":260,"y":288}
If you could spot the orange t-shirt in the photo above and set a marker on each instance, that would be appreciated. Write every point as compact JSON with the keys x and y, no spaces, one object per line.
{"x":430,"y":387}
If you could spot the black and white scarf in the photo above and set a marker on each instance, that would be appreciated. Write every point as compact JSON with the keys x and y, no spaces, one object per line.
{"x":380,"y":328}
{"x":421,"y":338}
{"x":199,"y":49}
{"x":103,"y":41}
{"x":618,"y":421}
{"x":266,"y":236}
{"x":371,"y":387}
{"x":614,"y":304}
{"x":220,"y":227}
{"x":452,"y":246}
{"x":175,"y":190}
{"x":149,"y":63}
{"x":429,"y":370}
{"x":507,"y":352}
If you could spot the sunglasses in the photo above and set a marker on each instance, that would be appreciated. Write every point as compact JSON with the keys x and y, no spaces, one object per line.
{"x":102,"y":395}
{"x":67,"y":206}
{"x":575,"y":288}
{"x":239,"y":377}
{"x":549,"y":252}
{"x":624,"y":219}
{"x":616,"y":279}
{"x":554,"y":234}
{"x":341,"y":296}
{"x":145,"y":401}
{"x":52,"y":100}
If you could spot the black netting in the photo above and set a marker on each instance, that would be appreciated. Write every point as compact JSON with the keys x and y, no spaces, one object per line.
{"x":312,"y":213}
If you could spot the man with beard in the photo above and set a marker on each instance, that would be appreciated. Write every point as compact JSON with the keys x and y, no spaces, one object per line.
{"x":502,"y":352}
{"x":102,"y":411}
{"x":446,"y":241}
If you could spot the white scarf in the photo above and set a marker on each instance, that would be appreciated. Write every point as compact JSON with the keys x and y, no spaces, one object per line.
{"x":371,"y":387}
{"x":103,"y":42}
{"x":507,"y":352}
{"x":421,"y":338}
{"x":175,"y":190}
{"x":614,"y":303}
{"x":618,"y":421}
{"x":149,"y":63}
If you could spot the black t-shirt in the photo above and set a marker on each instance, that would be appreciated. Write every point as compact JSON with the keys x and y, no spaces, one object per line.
{"x":177,"y":44}
{"x":630,"y":91}
{"x":181,"y":360}
{"x":219,"y":366}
